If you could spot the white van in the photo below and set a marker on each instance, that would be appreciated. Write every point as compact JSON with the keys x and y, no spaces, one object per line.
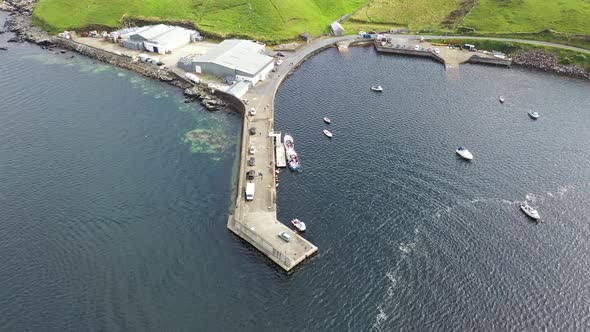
{"x":250,"y":191}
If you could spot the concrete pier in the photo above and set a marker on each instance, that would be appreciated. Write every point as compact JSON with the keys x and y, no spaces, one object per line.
{"x":280,"y":158}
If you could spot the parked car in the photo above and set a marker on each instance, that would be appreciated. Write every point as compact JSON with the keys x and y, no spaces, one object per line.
{"x":251,"y":174}
{"x":252,"y":111}
{"x":251,"y":161}
{"x":437,"y":51}
{"x":285,"y":236}
{"x":253,"y":131}
{"x":280,"y":54}
{"x":252,"y":149}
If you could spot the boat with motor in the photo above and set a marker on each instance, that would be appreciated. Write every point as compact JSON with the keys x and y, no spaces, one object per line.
{"x":327,"y":120}
{"x":328,"y":133}
{"x":292,"y":158}
{"x":463,"y":152}
{"x":300,"y":225}
{"x":377,"y":88}
{"x":534,"y":115}
{"x":526,"y":208}
{"x":501,"y":99}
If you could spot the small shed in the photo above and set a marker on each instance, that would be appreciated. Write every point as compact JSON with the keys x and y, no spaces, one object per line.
{"x":306,"y":37}
{"x":337,"y":28}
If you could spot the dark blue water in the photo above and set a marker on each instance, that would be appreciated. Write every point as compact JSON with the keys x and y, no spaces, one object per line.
{"x":112,"y":220}
{"x":411,"y":237}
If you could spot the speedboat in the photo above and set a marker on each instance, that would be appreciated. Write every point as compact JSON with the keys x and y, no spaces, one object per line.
{"x":377,"y":88}
{"x":534,"y":115}
{"x":300,"y":225}
{"x":327,"y":120}
{"x":526,"y":208}
{"x":501,"y":99}
{"x":328,"y":133}
{"x":463,"y":152}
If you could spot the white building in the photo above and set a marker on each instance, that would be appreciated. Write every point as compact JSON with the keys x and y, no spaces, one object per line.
{"x":242,"y":59}
{"x":337,"y":28}
{"x":159,"y":38}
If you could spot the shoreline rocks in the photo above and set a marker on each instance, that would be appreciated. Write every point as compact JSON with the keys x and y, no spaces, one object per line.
{"x":540,"y":59}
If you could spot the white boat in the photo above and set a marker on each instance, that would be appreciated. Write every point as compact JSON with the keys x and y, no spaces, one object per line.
{"x":292,"y":158}
{"x":501,"y":99}
{"x":377,"y":88}
{"x":534,"y":115}
{"x":327,"y":120}
{"x":526,"y":208}
{"x":300,"y":225}
{"x":463,"y":152}
{"x":328,"y":133}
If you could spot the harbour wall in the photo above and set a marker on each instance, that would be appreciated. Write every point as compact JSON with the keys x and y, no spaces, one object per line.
{"x":409,"y":52}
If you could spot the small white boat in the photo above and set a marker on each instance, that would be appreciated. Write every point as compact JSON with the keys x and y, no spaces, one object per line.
{"x":463,"y":152}
{"x":300,"y":225}
{"x":501,"y":99}
{"x":534,"y":115}
{"x":377,"y":88}
{"x":526,"y":208}
{"x":327,"y":120}
{"x":328,"y":133}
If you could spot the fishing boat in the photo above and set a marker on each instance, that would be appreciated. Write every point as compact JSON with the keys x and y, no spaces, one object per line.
{"x":501,"y":99}
{"x":534,"y":115}
{"x":463,"y":152}
{"x":526,"y":208}
{"x":327,"y":120}
{"x":328,"y":133}
{"x":292,"y":158}
{"x":300,"y":225}
{"x":377,"y":88}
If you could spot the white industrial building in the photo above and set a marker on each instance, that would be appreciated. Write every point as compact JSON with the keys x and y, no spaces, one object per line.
{"x":159,"y":38}
{"x":241,"y":59}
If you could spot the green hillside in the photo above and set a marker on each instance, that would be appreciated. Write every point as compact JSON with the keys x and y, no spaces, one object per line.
{"x":568,"y":16}
{"x":258,"y":19}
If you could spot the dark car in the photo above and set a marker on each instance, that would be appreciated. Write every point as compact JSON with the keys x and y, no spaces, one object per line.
{"x":253,"y":131}
{"x":251,"y":161}
{"x":251,"y":174}
{"x":280,"y":54}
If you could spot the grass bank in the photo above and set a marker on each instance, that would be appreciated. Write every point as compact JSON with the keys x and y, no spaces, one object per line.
{"x":268,"y":20}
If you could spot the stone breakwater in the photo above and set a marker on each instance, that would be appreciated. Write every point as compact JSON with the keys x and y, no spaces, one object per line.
{"x":540,"y":59}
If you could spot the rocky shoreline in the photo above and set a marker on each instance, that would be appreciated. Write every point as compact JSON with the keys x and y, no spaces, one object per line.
{"x":542,"y":60}
{"x":20,"y":23}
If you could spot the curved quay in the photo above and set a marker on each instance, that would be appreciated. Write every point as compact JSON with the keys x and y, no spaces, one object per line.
{"x":256,"y":221}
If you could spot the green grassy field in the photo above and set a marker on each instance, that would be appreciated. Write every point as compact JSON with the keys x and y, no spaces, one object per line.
{"x":279,"y":20}
{"x":415,"y":14}
{"x":270,"y":20}
{"x":568,"y":16}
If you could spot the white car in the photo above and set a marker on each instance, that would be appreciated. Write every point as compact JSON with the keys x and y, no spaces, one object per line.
{"x":437,"y":51}
{"x":417,"y":47}
{"x":252,"y":149}
{"x":285,"y":236}
{"x":279,"y":62}
{"x":252,"y":111}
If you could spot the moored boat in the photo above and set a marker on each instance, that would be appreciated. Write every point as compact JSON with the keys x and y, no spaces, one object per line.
{"x":328,"y":133}
{"x":327,"y":120}
{"x":534,"y":115}
{"x":463,"y":152}
{"x":377,"y":88}
{"x":292,"y":158}
{"x":300,"y":225}
{"x":501,"y":99}
{"x":526,"y":208}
